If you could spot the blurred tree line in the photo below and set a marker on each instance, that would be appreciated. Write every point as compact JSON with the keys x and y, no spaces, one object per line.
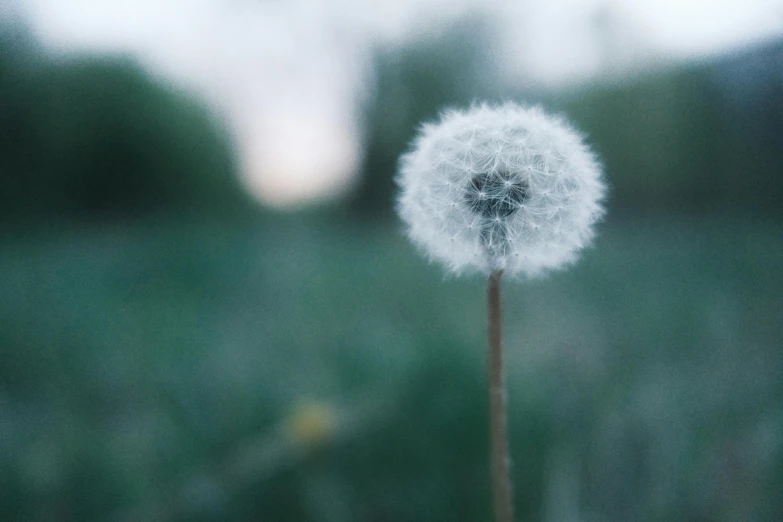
{"x":96,"y":135}
{"x":704,"y":137}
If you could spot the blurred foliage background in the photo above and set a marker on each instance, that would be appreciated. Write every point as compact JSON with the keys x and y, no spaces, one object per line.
{"x":170,"y":351}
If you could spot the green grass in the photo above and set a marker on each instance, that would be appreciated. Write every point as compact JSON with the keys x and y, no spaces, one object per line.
{"x":138,"y":360}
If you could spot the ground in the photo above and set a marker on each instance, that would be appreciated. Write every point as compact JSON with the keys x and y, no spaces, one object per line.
{"x":306,"y":368}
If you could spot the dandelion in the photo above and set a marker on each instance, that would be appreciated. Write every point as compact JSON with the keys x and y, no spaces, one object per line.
{"x":499,"y":190}
{"x":504,"y":188}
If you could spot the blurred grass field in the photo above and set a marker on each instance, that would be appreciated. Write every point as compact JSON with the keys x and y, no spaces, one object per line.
{"x":138,"y":356}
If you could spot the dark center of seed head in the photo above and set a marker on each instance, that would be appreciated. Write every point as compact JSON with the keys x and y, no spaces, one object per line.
{"x":498,"y":194}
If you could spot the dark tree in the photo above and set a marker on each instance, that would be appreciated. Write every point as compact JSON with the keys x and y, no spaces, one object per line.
{"x":96,"y":136}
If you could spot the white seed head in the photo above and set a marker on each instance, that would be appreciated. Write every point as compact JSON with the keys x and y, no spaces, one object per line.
{"x":500,"y":188}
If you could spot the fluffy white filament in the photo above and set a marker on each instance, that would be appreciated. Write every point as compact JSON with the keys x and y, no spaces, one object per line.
{"x":500,"y":188}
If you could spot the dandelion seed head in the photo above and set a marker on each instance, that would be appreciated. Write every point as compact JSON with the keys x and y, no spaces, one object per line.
{"x":500,"y":188}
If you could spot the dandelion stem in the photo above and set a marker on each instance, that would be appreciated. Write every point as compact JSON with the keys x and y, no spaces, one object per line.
{"x":500,"y":461}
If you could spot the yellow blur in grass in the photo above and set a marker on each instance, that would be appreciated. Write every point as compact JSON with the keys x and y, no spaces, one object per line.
{"x":311,"y":424}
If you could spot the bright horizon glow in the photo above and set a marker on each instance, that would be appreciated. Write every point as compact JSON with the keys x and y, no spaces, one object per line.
{"x":289,"y":77}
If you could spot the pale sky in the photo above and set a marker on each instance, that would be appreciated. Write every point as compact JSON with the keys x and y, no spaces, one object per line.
{"x":288,"y":76}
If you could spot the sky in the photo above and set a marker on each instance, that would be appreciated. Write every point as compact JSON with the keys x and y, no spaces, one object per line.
{"x":289,"y":76}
